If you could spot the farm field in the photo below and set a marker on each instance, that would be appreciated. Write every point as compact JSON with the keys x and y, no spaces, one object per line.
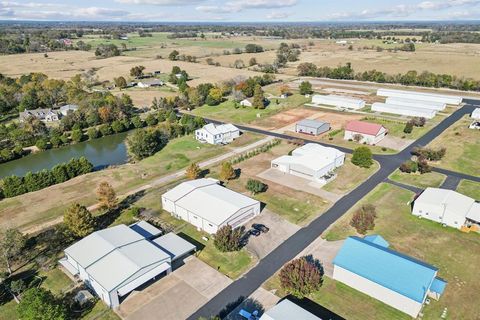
{"x":427,"y":241}
{"x":430,"y":179}
{"x":461,"y":157}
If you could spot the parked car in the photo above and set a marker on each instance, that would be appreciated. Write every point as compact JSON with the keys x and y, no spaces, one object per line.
{"x":475,"y":125}
{"x":260,"y":227}
{"x":254,"y":232}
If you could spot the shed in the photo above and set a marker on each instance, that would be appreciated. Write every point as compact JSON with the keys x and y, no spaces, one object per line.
{"x":174,"y":245}
{"x":338,"y":101}
{"x":403,"y":110}
{"x":423,"y":96}
{"x":313,"y":127}
{"x":246,"y":103}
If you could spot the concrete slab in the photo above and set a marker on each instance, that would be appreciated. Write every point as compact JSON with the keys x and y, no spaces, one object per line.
{"x":395,"y":143}
{"x":280,"y":230}
{"x":325,"y":251}
{"x":259,"y":300}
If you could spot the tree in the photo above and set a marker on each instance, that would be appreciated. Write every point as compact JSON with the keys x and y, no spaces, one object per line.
{"x":408,"y":127}
{"x":137,"y":71}
{"x":106,"y":195}
{"x":364,"y":219}
{"x":92,"y":133}
{"x":77,"y":135}
{"x":143,"y":143}
{"x":227,"y":172}
{"x":258,"y":98}
{"x":301,"y":277}
{"x":193,"y":171}
{"x":305,"y":88}
{"x":173,"y":55}
{"x":285,"y":89}
{"x":12,"y":242}
{"x":256,"y":186}
{"x":239,"y":64}
{"x":228,"y":239}
{"x":78,"y":220}
{"x":120,"y":82}
{"x":252,"y":62}
{"x":362,"y":157}
{"x":40,"y":304}
{"x":117,"y":126}
{"x":214,"y":96}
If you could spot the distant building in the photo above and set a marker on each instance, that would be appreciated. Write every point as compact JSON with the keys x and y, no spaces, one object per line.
{"x":217,"y":134}
{"x":313,"y":127}
{"x":66,"y":109}
{"x":45,"y":115}
{"x":150,"y":83}
{"x":420,"y":96}
{"x":369,"y":133}
{"x":404,"y":110}
{"x":338,"y":101}
{"x":246,"y":103}
{"x":400,"y":281}
{"x":287,"y":310}
{"x":447,"y":207}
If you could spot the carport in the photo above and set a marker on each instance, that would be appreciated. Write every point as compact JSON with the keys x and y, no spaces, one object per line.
{"x":174,"y":245}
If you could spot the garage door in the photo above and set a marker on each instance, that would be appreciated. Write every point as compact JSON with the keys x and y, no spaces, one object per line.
{"x":241,"y":220}
{"x":129,"y":287}
{"x":300,"y":174}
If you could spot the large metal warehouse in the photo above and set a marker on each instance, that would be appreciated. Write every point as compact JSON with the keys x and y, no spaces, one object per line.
{"x":414,"y":95}
{"x":403,"y":110}
{"x":437,"y":106}
{"x":339,"y":101}
{"x":313,"y":127}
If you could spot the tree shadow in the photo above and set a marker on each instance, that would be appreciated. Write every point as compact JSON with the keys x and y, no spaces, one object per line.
{"x":203,"y":173}
{"x":106,"y":219}
{"x":238,"y":173}
{"x":249,"y":305}
{"x":314,"y":308}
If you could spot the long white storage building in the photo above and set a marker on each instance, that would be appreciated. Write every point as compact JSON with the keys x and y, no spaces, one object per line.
{"x":432,"y":105}
{"x":338,"y":101}
{"x":209,"y":206}
{"x":403,"y":110}
{"x":423,"y":96}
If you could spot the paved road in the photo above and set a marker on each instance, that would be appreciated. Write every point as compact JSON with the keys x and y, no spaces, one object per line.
{"x":253,"y":279}
{"x":450,"y":183}
{"x":404,"y":186}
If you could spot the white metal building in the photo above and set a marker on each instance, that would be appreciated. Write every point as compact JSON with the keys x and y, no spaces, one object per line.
{"x":217,"y":134}
{"x":438,"y":106}
{"x":246,"y":103}
{"x":369,"y":133}
{"x":423,"y":96}
{"x":476,"y":114}
{"x":313,"y":127}
{"x":403,"y":110}
{"x":447,"y":207}
{"x":115,"y":261}
{"x":287,"y":310}
{"x":338,"y":101}
{"x":209,"y":206}
{"x":311,"y":161}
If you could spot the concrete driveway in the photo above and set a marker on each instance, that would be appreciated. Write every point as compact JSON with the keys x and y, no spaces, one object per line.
{"x":325,"y":251}
{"x":395,"y":143}
{"x":177,"y":295}
{"x":260,"y":300}
{"x":280,"y":230}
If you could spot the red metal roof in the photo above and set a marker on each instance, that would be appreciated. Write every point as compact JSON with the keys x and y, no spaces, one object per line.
{"x":364,"y":127}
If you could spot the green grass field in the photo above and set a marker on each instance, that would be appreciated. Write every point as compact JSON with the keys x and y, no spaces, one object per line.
{"x":395,"y":128}
{"x":431,"y":179}
{"x":470,"y":188}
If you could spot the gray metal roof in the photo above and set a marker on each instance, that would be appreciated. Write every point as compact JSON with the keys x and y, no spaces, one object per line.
{"x":174,"y":245}
{"x":287,"y":310}
{"x":312,"y":123}
{"x":145,"y":229}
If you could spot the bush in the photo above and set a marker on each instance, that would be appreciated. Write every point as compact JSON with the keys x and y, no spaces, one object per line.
{"x":42,"y":144}
{"x":408,"y":127}
{"x":362,"y":157}
{"x":77,"y":135}
{"x":92,"y":133}
{"x":256,"y":186}
{"x":429,"y":154}
{"x":409,"y":167}
{"x":228,"y":239}
{"x":144,"y":143}
{"x":39,"y":303}
{"x":301,"y":277}
{"x":106,"y":130}
{"x":364,"y":219}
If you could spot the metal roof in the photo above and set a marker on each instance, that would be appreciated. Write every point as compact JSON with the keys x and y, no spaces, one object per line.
{"x":400,"y":273}
{"x":219,"y":129}
{"x":438,"y":285}
{"x":311,"y":156}
{"x":174,"y":245}
{"x":364,"y":127}
{"x":287,"y":310}
{"x":377,"y":239}
{"x":312,"y":123}
{"x":145,"y":229}
{"x":185,"y":188}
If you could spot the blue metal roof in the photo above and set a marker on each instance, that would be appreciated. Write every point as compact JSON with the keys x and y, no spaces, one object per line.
{"x":400,"y":273}
{"x":438,"y":285}
{"x":377,"y":239}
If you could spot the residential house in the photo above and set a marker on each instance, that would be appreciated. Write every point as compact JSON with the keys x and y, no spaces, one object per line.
{"x":365,"y":132}
{"x":208,"y":206}
{"x":447,"y":207}
{"x":115,"y":261}
{"x":369,"y":266}
{"x":45,"y":115}
{"x":217,"y":134}
{"x":313,"y":127}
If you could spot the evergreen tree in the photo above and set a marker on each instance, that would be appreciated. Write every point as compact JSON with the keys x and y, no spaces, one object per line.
{"x":106,"y":196}
{"x":79,"y":220}
{"x":258,"y":98}
{"x":227,"y":172}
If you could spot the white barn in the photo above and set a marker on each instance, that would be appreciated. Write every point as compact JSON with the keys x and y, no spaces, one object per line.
{"x":338,"y":101}
{"x":432,"y":105}
{"x":476,"y":114}
{"x":209,"y":206}
{"x":369,"y":133}
{"x":369,"y":266}
{"x":423,"y":96}
{"x":447,"y":207}
{"x":217,"y":134}
{"x":311,"y":161}
{"x":403,"y":110}
{"x":115,"y":261}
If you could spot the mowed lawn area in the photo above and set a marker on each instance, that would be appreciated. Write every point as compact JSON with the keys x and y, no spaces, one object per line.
{"x":37,"y":207}
{"x":430,"y":179}
{"x":395,"y":128}
{"x":448,"y":249}
{"x":469,"y":188}
{"x":463,"y":148}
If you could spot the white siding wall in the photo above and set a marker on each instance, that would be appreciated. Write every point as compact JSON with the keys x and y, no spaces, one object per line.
{"x":392,"y":298}
{"x":420,"y":96}
{"x":338,"y":101}
{"x":416,"y":103}
{"x":403,"y":110}
{"x":436,"y":213}
{"x":368,"y":139}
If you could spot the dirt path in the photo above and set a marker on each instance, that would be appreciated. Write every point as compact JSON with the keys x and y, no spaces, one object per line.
{"x":158,"y":182}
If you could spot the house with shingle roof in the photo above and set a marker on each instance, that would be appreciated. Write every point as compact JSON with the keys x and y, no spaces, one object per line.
{"x":365,"y":132}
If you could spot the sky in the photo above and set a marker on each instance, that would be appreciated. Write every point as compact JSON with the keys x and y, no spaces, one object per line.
{"x":239,"y":10}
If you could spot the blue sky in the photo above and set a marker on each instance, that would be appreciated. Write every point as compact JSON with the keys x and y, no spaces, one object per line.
{"x":239,"y":10}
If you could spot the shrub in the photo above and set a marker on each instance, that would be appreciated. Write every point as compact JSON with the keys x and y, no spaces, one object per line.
{"x":408,"y":127}
{"x":364,"y":219}
{"x":256,"y":186}
{"x":92,"y":133}
{"x":228,"y":239}
{"x":42,"y":144}
{"x":77,"y":135}
{"x":39,"y":303}
{"x":362,"y":157}
{"x":301,"y":277}
{"x":409,"y":167}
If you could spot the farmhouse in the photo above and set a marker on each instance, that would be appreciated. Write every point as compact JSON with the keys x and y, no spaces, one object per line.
{"x":369,"y":266}
{"x":312,"y":127}
{"x":338,"y":101}
{"x":150,"y":83}
{"x":287,"y":310}
{"x":404,"y":110}
{"x":246,"y":103}
{"x":209,"y":206}
{"x":365,"y":132}
{"x":45,"y":115}
{"x":421,"y":96}
{"x":311,"y":161}
{"x":115,"y":261}
{"x":217,"y":134}
{"x":476,"y":114}
{"x":447,"y":207}
{"x":432,"y":105}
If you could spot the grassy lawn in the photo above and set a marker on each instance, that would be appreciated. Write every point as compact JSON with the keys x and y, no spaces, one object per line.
{"x":101,"y":311}
{"x":8,"y":311}
{"x":338,"y":140}
{"x":428,"y":241}
{"x":349,"y":176}
{"x":395,"y":128}
{"x":463,"y":148}
{"x":56,"y":281}
{"x":470,"y":188}
{"x":431,"y":179}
